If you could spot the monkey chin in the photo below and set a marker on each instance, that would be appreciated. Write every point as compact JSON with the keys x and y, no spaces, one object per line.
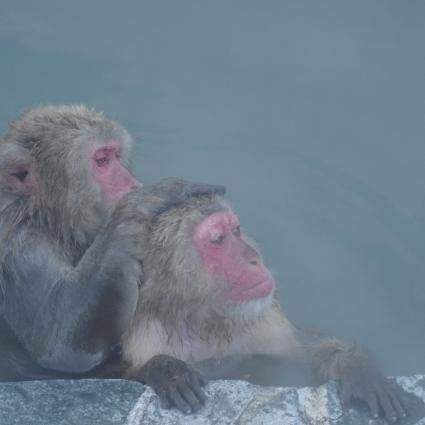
{"x":250,"y":309}
{"x":246,"y":293}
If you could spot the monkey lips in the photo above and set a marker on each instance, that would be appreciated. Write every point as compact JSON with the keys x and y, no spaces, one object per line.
{"x":226,"y":255}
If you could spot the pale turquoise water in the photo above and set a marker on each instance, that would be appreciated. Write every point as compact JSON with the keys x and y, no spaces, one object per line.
{"x":311,"y":113}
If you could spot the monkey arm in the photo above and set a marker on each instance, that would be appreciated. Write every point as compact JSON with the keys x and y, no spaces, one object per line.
{"x":329,"y":358}
{"x":69,"y":317}
{"x":359,"y":378}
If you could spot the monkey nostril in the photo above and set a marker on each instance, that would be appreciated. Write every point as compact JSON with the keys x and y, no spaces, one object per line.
{"x":254,"y":262}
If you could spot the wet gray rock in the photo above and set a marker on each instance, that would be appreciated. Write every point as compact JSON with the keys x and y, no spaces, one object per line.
{"x":104,"y":402}
{"x":80,"y":402}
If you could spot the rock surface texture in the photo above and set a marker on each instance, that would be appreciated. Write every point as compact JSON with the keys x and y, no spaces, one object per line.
{"x":104,"y":402}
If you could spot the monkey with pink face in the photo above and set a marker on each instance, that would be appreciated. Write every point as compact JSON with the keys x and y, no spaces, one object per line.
{"x":90,"y":262}
{"x":70,"y":251}
{"x":208,"y":297}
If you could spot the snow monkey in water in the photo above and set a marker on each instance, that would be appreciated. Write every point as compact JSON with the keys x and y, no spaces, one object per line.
{"x":75,"y":226}
{"x":207,"y":296}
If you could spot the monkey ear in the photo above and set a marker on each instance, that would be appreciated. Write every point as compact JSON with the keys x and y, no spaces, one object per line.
{"x":16,"y":175}
{"x":19,"y":180}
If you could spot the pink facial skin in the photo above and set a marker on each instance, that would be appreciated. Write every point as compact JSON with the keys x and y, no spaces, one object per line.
{"x":226,"y":255}
{"x":113,"y":178}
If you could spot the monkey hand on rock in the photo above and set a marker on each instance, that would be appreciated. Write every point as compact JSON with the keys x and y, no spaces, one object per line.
{"x":359,"y":379}
{"x":176,"y":383}
{"x":366,"y":384}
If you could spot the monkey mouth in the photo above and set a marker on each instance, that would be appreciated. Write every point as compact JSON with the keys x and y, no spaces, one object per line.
{"x":256,"y":285}
{"x":258,"y":290}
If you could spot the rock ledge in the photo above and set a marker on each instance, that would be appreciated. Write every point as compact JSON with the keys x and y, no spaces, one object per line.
{"x":104,"y":402}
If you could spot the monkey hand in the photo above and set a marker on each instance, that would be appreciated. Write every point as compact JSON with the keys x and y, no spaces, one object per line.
{"x":181,"y":189}
{"x":172,"y":191}
{"x":145,"y":203}
{"x":176,"y":383}
{"x":360,"y":380}
{"x":140,"y":205}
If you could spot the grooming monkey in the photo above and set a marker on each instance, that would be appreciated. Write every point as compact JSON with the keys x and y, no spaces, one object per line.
{"x":70,"y":212}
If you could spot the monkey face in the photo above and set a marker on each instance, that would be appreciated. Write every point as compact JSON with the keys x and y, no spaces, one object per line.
{"x":227,"y":256}
{"x":107,"y":170}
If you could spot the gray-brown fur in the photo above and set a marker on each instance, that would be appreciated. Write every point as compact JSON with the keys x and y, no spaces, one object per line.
{"x":59,"y":257}
{"x":57,"y":138}
{"x":72,"y":283}
{"x":176,"y":290}
{"x":69,"y":259}
{"x":179,"y":315}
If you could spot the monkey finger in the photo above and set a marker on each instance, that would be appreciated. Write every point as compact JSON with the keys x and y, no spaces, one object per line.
{"x":396,"y":401}
{"x":165,"y":403}
{"x":387,"y":407}
{"x":201,"y":379}
{"x":199,"y":189}
{"x":190,"y":397}
{"x":346,"y":394}
{"x":177,"y":401}
{"x":196,"y":388}
{"x":372,"y":402}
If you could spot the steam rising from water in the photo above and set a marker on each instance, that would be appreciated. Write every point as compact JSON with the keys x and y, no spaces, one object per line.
{"x":311,"y":113}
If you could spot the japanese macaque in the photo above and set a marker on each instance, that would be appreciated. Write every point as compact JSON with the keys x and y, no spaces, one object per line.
{"x":70,"y":251}
{"x":207,"y":297}
{"x":92,"y":264}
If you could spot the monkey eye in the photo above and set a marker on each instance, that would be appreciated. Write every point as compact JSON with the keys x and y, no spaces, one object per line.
{"x":218,"y":239}
{"x":237,"y":231}
{"x":21,"y":175}
{"x":101,"y":162}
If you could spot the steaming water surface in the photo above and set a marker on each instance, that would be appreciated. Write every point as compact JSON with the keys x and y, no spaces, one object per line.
{"x":311,"y":113}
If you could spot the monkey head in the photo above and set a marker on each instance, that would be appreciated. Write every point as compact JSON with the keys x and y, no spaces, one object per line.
{"x":71,"y":163}
{"x":198,"y":262}
{"x":72,"y":145}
